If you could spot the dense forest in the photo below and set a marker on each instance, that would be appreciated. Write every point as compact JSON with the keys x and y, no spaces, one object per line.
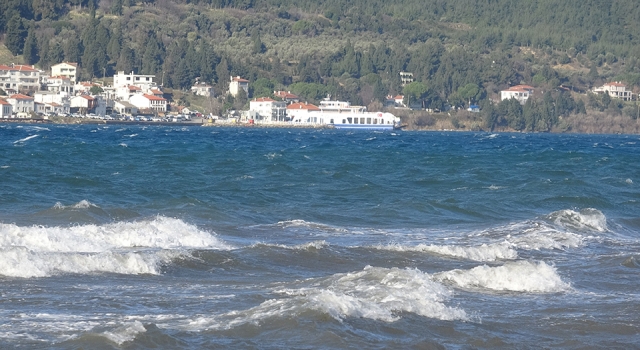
{"x":460,"y":52}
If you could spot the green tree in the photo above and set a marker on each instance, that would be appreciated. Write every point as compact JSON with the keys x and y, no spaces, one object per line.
{"x":15,"y":36}
{"x":30,"y":51}
{"x":95,"y":90}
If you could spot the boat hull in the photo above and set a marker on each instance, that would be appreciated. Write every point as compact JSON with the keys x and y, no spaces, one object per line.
{"x":364,"y":126}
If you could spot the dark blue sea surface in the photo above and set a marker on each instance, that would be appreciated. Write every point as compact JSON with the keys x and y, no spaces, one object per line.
{"x":127,"y":237}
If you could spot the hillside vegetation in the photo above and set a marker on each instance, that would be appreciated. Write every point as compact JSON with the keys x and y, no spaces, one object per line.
{"x":460,"y":52}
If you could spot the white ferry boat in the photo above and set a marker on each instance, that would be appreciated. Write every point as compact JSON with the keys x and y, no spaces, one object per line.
{"x":342,"y":115}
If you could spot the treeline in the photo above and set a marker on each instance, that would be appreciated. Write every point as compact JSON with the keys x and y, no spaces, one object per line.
{"x":459,"y":52}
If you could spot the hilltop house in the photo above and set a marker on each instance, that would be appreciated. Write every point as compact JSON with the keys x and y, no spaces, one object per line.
{"x":236,"y":84}
{"x":615,"y":90}
{"x":6,"y":109}
{"x":15,"y":78}
{"x":60,"y":84}
{"x":269,"y":109}
{"x":65,"y":69}
{"x":519,"y":92}
{"x":202,"y":89}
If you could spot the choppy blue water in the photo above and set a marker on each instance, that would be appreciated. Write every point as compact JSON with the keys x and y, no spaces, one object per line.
{"x":120,"y":237}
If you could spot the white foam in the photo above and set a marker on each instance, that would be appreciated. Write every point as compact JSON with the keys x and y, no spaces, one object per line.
{"x":315,"y":245}
{"x":83,"y":204}
{"x":126,"y":247}
{"x":629,"y":181}
{"x":484,"y":252}
{"x":125,"y":333}
{"x":25,"y":139}
{"x":309,"y":224}
{"x":20,"y":262}
{"x":519,"y":276}
{"x":586,"y":219}
{"x":547,"y":239}
{"x":160,"y":232}
{"x":374,"y":293}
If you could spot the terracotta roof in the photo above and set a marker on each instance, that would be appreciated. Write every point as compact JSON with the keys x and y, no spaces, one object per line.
{"x":520,"y":88}
{"x":54,"y":104}
{"x":3,"y":102}
{"x":18,"y":67}
{"x":21,"y":97}
{"x":87,"y":97}
{"x":240,"y":80}
{"x":301,"y":105}
{"x":153,"y":97}
{"x":285,"y":94}
{"x":399,"y":97}
{"x":133,"y":87}
{"x":615,"y":83}
{"x":263,"y":99}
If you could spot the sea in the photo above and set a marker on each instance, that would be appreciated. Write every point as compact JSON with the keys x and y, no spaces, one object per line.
{"x":184,"y":237}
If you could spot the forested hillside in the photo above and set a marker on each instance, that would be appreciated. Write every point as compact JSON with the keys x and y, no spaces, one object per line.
{"x":459,"y":51}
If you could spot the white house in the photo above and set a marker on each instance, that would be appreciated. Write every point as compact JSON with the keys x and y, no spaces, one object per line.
{"x":146,"y":101}
{"x":202,"y":89}
{"x":54,"y":102}
{"x":269,"y":109}
{"x":615,"y":90}
{"x":519,"y":92}
{"x":60,"y":84}
{"x":21,"y":103}
{"x":15,"y":78}
{"x":83,"y":103}
{"x":6,"y":109}
{"x":238,"y":83}
{"x":302,"y":113}
{"x":65,"y":69}
{"x":144,"y":82}
{"x":287,"y":96}
{"x":124,"y":107}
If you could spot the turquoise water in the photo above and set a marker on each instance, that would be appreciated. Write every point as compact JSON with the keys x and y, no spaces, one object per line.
{"x":194,"y":237}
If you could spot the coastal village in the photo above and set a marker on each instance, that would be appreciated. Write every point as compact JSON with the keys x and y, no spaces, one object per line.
{"x":32,"y":94}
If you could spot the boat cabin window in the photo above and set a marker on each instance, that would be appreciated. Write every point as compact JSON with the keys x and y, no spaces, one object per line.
{"x":349,"y":120}
{"x":331,"y":121}
{"x":344,"y":121}
{"x":368,"y":120}
{"x":375,"y":121}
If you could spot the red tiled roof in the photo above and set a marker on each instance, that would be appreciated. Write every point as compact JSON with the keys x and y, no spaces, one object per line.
{"x":18,"y":67}
{"x":264,"y":99}
{"x":134,"y":88}
{"x":69,"y":63}
{"x":153,"y":97}
{"x":240,"y":80}
{"x":21,"y":97}
{"x":301,"y":105}
{"x":88,"y":97}
{"x":615,"y":83}
{"x":286,"y":94}
{"x":3,"y":102}
{"x":399,"y":97}
{"x":520,"y":88}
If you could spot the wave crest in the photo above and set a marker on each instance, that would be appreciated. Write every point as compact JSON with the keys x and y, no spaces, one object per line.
{"x":484,"y":252}
{"x":519,"y":276}
{"x":588,"y":219}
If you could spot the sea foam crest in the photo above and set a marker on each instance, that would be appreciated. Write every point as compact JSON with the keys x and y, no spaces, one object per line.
{"x":160,"y":232}
{"x":374,"y":293}
{"x":125,"y":333}
{"x":126,"y":247}
{"x":584,"y":220}
{"x":518,"y":276}
{"x":20,"y":262}
{"x":83,"y":204}
{"x":315,"y":245}
{"x":484,"y":252}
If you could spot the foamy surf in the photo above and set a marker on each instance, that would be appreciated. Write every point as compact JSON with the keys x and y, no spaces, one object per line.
{"x":25,"y":139}
{"x":484,"y":252}
{"x":124,"y":333}
{"x":518,"y":276}
{"x":588,"y":219}
{"x":374,"y":293}
{"x":126,"y":247}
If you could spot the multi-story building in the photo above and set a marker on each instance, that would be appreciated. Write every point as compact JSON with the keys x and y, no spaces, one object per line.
{"x":615,"y":90}
{"x":65,"y":69}
{"x":60,"y":84}
{"x":127,"y":85}
{"x":519,"y":92}
{"x":6,"y":109}
{"x":149,"y":102}
{"x":15,"y":78}
{"x":236,"y":84}
{"x":269,"y":109}
{"x":21,"y":103}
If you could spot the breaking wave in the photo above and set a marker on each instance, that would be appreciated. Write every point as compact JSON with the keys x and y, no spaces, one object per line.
{"x":124,"y":247}
{"x":588,"y":219}
{"x":518,"y":276}
{"x":484,"y":252}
